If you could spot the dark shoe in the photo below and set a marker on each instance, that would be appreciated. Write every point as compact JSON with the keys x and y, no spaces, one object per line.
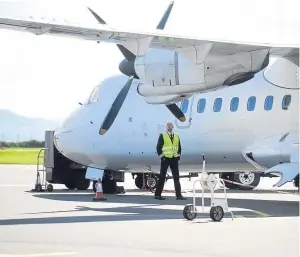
{"x":181,"y":198}
{"x":159,"y":198}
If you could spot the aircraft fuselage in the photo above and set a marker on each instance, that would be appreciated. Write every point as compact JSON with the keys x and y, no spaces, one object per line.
{"x":223,"y":126}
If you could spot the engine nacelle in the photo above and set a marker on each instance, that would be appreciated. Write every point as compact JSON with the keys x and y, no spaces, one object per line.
{"x":176,"y":73}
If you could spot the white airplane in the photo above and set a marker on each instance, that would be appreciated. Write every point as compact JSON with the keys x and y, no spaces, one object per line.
{"x":236,"y":109}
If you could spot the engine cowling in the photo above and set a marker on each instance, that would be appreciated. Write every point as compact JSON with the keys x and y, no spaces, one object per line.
{"x":169,"y":72}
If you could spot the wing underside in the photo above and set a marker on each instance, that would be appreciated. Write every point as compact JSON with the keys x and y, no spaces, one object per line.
{"x":139,"y":42}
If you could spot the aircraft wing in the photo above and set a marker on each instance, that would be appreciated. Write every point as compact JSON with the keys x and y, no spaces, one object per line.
{"x":137,"y":42}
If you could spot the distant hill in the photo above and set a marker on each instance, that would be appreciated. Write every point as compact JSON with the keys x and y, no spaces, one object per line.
{"x":14,"y":127}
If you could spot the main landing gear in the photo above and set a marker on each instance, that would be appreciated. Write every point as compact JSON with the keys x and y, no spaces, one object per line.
{"x":77,"y":181}
{"x":148,"y":180}
{"x":248,"y":180}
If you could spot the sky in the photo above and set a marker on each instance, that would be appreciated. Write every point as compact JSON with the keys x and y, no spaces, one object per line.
{"x":46,"y":76}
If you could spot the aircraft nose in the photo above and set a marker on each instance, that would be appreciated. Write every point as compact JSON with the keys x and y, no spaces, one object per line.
{"x":70,"y":141}
{"x":63,"y":140}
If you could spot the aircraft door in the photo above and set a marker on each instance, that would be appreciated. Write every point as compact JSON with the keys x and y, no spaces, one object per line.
{"x":186,"y":107}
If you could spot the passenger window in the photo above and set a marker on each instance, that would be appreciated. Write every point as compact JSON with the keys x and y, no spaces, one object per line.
{"x":234,"y":104}
{"x":286,"y":101}
{"x":201,"y":105}
{"x":218,"y":105}
{"x":269,"y":103}
{"x":251,"y":103}
{"x":185,"y":105}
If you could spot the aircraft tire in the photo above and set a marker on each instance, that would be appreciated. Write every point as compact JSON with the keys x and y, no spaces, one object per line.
{"x":153,"y":181}
{"x":83,"y":184}
{"x":251,"y":179}
{"x":139,"y":182}
{"x":228,"y":176}
{"x":296,"y":182}
{"x":70,"y":185}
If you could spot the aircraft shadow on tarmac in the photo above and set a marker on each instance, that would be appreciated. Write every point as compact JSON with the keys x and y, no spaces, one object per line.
{"x":231,"y":191}
{"x":147,"y":208}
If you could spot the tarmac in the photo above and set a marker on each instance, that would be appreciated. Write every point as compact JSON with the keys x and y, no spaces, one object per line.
{"x":69,"y":223}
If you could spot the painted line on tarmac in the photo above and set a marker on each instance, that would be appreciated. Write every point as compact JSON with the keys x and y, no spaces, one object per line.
{"x":238,"y":216}
{"x":260,"y":213}
{"x":39,"y":254}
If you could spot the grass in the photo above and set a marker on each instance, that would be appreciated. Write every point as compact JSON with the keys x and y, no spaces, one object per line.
{"x":20,"y":156}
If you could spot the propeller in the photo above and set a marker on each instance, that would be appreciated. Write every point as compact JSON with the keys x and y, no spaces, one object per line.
{"x":115,"y":108}
{"x":176,"y":111}
{"x":126,"y":66}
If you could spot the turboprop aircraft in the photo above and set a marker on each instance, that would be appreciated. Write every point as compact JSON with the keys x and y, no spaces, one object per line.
{"x":238,"y":110}
{"x":242,"y":130}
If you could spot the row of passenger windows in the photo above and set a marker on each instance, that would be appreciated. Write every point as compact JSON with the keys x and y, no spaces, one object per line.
{"x":234,"y":104}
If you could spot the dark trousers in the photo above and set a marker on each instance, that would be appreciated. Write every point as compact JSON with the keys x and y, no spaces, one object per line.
{"x":164,"y":165}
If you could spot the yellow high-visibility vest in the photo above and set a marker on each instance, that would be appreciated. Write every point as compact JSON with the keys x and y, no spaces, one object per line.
{"x":170,"y":149}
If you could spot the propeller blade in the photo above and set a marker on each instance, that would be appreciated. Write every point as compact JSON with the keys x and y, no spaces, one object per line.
{"x":129,"y":56}
{"x":176,"y":112}
{"x":115,"y":108}
{"x":161,"y":25}
{"x":98,"y":18}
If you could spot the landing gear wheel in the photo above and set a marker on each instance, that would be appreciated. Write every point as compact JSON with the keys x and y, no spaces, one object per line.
{"x":139,"y":182}
{"x":250,"y":180}
{"x":70,"y":185}
{"x":228,"y":176}
{"x":296,"y":182}
{"x":216,"y":213}
{"x":38,"y":187}
{"x":49,"y":188}
{"x":83,"y":184}
{"x":188,"y":212}
{"x":152,"y":182}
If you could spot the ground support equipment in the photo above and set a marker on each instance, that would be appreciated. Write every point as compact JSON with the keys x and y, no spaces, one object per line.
{"x":218,"y":206}
{"x":41,"y":183}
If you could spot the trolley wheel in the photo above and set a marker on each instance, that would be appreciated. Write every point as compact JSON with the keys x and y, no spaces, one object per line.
{"x":38,"y":187}
{"x":188,"y":212}
{"x":49,"y":188}
{"x":216,"y":213}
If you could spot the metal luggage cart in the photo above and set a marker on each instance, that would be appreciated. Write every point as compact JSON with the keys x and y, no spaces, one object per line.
{"x":41,"y":184}
{"x":218,"y":206}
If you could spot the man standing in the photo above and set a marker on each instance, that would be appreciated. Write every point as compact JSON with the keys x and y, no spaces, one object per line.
{"x":169,"y":150}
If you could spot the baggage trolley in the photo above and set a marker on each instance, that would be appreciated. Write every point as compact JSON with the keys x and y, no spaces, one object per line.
{"x":41,"y":184}
{"x":218,"y":206}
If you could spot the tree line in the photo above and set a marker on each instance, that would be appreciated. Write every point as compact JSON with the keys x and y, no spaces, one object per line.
{"x":25,"y":144}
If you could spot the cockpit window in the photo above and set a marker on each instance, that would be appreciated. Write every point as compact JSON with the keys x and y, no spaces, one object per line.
{"x":94,"y":96}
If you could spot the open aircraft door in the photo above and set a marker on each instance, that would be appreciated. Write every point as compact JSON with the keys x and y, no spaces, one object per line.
{"x":186,"y":107}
